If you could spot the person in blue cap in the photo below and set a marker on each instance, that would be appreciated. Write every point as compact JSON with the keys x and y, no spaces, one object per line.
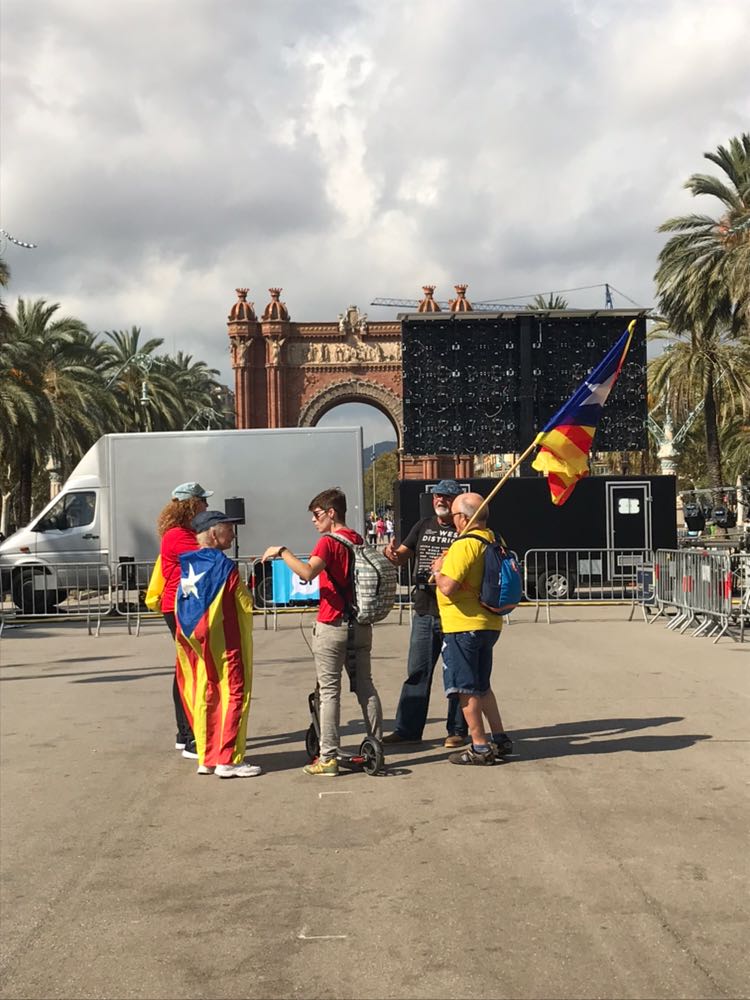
{"x":427,"y":540}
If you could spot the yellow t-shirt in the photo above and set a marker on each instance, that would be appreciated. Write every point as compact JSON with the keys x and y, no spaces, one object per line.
{"x":462,"y":612}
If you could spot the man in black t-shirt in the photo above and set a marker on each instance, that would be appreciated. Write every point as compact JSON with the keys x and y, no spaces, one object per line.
{"x":428,"y":539}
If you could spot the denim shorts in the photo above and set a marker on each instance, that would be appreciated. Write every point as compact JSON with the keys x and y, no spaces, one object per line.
{"x":467,"y":661}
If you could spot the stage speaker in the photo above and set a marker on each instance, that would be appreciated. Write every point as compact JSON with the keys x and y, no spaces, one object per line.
{"x":694,"y":517}
{"x":235,"y":507}
{"x":724,"y":518}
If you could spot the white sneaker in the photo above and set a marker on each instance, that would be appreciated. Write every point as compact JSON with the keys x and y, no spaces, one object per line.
{"x":205,"y":769}
{"x":238,"y":770}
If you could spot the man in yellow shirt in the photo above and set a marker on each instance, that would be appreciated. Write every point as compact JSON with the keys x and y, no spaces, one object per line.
{"x":470,"y":632}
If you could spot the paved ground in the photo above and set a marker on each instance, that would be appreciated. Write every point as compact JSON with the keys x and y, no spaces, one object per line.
{"x":608,"y":860}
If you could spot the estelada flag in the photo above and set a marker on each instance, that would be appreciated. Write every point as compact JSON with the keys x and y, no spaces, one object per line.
{"x":214,"y":639}
{"x":155,"y":587}
{"x":567,"y":438}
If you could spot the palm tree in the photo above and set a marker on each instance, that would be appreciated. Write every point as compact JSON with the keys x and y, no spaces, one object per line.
{"x":199,"y":391}
{"x":4,"y":282}
{"x":147,"y":398}
{"x":551,"y":301}
{"x":57,"y":406}
{"x":704,"y":294}
{"x":704,"y":271}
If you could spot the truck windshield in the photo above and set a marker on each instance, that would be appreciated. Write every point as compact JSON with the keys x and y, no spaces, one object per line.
{"x":72,"y":510}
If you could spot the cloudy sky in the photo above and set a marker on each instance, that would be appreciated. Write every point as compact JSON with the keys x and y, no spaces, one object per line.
{"x":161,"y":153}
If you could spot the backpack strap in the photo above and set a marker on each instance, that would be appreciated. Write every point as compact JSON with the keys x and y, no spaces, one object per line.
{"x":348,"y":606}
{"x":485,"y":540}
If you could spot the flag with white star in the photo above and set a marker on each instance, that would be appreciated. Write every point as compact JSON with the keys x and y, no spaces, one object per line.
{"x":213,"y":610}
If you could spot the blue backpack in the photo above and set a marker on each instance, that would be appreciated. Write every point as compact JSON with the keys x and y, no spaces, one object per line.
{"x":502,"y":584}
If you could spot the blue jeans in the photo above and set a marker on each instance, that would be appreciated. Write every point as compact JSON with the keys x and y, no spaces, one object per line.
{"x":425,"y":643}
{"x":467,"y":661}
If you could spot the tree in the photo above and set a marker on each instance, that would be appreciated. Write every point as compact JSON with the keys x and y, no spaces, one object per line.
{"x":704,"y":294}
{"x":386,"y":474}
{"x":704,"y":271}
{"x":552,"y":301}
{"x":52,"y":394}
{"x":199,"y":391}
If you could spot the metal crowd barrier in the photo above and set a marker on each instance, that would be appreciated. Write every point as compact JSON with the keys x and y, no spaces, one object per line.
{"x":132,"y":581}
{"x":78,"y":591}
{"x":588,"y":576}
{"x":698,"y":587}
{"x":741,"y":584}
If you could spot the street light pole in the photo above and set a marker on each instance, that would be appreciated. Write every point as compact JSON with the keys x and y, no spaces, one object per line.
{"x":372,"y":467}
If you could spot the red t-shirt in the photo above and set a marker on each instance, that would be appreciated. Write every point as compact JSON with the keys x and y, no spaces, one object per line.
{"x":336,"y":557}
{"x":174,"y":542}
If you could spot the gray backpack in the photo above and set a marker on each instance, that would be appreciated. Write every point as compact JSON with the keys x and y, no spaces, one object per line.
{"x":373,"y":581}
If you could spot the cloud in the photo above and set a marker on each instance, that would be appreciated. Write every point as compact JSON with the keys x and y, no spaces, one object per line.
{"x":161,"y":155}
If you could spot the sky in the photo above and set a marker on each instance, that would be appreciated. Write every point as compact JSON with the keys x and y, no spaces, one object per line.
{"x":163,"y":153}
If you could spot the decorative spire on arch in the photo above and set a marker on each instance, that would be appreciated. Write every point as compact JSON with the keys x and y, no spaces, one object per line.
{"x":276,"y":310}
{"x":428,"y":303}
{"x":460,"y":304}
{"x":242,"y":309}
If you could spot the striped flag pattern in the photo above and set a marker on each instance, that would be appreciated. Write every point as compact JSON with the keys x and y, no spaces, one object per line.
{"x":214,"y":654}
{"x":567,"y":438}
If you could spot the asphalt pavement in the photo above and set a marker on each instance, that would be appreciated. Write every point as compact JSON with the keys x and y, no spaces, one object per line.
{"x":608,"y":858}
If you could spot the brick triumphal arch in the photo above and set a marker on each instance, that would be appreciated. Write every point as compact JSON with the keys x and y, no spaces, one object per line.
{"x":288,"y":374}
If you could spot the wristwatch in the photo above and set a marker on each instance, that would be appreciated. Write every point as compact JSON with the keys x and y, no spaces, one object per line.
{"x":281,"y":551}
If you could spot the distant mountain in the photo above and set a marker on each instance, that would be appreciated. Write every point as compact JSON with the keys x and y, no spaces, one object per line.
{"x":380,"y":448}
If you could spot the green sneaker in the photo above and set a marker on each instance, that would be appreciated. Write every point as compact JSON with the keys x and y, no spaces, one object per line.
{"x":319,"y":766}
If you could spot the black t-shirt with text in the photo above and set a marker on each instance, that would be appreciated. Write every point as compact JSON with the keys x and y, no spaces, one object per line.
{"x":427,"y":539}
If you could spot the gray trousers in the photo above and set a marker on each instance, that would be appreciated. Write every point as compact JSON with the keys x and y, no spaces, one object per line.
{"x":329,"y":649}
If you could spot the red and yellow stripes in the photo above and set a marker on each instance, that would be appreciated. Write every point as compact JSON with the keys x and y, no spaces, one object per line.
{"x":214,"y":675}
{"x":564,"y":458}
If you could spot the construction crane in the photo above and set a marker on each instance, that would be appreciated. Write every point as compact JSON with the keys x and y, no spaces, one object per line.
{"x":506,"y":306}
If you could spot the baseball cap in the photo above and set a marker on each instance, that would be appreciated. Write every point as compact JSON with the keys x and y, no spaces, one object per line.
{"x":208,"y":518}
{"x":448,"y":487}
{"x":187,"y":490}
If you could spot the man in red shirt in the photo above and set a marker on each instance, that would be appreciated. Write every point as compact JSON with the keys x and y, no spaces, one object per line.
{"x":334,"y":634}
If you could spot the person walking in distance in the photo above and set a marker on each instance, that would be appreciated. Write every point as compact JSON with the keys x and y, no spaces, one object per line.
{"x":333,"y":634}
{"x":427,"y":539}
{"x":470,"y":632}
{"x":177,"y":536}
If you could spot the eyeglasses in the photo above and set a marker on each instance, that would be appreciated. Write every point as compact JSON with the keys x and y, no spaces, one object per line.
{"x":442,"y":496}
{"x":458,"y":513}
{"x":317,"y":514}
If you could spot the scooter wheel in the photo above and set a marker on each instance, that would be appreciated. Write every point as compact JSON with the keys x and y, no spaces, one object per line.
{"x":371,"y":753}
{"x":312,"y":743}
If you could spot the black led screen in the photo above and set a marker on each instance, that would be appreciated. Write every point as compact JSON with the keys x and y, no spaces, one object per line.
{"x":487,"y":383}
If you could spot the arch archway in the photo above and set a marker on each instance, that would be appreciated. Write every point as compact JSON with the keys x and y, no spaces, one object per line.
{"x":354,"y":391}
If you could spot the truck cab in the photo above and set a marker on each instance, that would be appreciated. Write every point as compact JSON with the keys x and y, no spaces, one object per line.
{"x":55,"y":552}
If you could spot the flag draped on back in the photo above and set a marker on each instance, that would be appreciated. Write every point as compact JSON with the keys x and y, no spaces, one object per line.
{"x":214,"y":654}
{"x":155,"y":587}
{"x":567,"y":438}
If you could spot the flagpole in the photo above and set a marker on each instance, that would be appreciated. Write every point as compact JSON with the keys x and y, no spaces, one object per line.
{"x":494,"y":490}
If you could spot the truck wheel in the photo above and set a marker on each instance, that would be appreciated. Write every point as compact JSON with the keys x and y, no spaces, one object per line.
{"x":555,"y":585}
{"x":34,"y":602}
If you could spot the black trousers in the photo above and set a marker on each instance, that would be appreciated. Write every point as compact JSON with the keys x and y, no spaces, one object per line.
{"x":184,"y":732}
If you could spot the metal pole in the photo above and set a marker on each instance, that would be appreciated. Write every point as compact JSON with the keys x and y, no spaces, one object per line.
{"x":372,"y":468}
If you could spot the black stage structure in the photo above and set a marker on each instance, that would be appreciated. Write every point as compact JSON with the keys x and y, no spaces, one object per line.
{"x":487,"y":383}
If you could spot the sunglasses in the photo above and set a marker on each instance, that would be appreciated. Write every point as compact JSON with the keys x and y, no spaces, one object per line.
{"x":317,"y":514}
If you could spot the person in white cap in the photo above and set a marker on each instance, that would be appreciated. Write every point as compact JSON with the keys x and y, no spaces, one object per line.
{"x":177,"y":536}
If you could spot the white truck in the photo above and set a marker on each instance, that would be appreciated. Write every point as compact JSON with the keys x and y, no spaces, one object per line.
{"x":106,"y":512}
